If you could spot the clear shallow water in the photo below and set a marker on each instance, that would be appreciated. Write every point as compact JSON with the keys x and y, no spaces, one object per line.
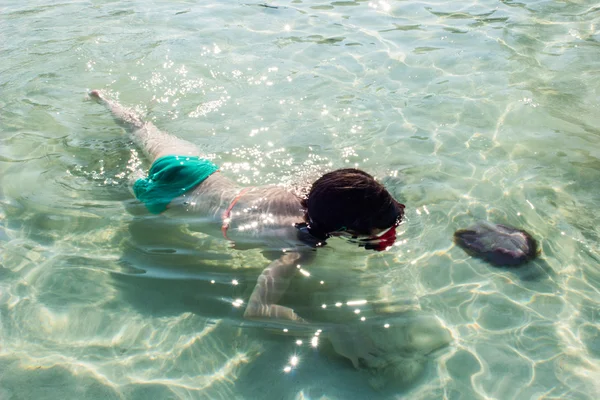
{"x":465,"y":110}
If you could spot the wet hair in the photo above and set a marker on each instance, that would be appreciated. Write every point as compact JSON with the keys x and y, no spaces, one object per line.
{"x":349,"y":199}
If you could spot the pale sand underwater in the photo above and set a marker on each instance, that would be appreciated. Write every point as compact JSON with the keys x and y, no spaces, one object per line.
{"x":470,"y":111}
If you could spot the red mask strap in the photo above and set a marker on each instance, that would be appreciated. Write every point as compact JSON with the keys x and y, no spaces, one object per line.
{"x":386,"y":240}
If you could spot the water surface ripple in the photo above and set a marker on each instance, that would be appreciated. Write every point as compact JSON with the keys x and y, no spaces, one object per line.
{"x":466,"y":110}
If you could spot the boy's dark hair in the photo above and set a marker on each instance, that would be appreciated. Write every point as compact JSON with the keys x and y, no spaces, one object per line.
{"x":349,"y":199}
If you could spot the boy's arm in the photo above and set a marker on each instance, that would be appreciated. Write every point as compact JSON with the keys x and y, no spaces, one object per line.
{"x":270,"y":287}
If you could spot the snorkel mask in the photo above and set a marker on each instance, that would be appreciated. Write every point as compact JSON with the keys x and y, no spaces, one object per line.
{"x":385,"y":240}
{"x":381,"y":242}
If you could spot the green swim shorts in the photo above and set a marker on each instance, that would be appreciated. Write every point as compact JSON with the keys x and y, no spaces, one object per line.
{"x":170,"y":177}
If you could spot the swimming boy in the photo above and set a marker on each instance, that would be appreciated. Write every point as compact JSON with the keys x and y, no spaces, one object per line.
{"x":343,"y":202}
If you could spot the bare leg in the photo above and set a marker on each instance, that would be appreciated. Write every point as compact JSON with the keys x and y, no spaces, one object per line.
{"x":152,"y":141}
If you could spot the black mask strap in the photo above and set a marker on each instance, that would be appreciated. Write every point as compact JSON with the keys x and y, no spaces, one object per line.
{"x":305,"y":227}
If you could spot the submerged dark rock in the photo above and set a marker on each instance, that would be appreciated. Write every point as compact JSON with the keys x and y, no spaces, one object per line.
{"x":497,"y":244}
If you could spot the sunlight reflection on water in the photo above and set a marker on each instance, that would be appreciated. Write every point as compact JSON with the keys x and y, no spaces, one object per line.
{"x":465,"y":111}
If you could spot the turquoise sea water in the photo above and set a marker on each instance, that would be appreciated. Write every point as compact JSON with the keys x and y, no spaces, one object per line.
{"x":466,"y":110}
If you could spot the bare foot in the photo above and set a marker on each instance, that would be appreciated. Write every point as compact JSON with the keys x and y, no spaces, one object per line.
{"x":96,"y":94}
